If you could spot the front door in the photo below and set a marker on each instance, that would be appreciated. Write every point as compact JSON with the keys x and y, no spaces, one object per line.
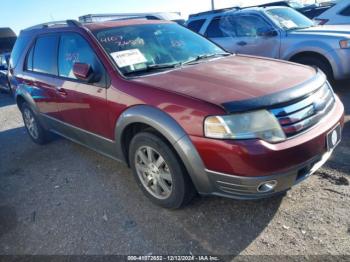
{"x":252,"y":36}
{"x":84,"y":105}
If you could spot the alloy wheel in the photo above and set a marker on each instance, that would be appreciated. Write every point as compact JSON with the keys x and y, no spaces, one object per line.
{"x":153,"y":172}
{"x":30,"y":122}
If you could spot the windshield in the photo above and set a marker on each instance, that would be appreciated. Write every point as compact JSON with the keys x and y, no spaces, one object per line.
{"x":289,"y":19}
{"x":138,"y":48}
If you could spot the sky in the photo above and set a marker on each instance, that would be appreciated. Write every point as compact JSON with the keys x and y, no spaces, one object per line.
{"x":20,"y":14}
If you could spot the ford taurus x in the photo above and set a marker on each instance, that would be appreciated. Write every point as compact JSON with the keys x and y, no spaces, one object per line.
{"x":186,"y":116}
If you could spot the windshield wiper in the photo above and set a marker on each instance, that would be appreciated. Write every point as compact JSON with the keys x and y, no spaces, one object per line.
{"x":201,"y":57}
{"x":154,"y":67}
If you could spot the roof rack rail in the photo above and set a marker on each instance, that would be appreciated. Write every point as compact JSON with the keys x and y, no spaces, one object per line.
{"x":216,"y":11}
{"x":55,"y":23}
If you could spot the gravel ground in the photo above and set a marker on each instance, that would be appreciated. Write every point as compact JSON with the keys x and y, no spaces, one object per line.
{"x":64,"y":199}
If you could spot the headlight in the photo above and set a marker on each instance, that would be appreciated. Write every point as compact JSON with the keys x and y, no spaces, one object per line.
{"x":258,"y":124}
{"x":344,"y":44}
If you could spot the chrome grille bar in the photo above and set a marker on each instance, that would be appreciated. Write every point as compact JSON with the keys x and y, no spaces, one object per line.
{"x":299,"y":116}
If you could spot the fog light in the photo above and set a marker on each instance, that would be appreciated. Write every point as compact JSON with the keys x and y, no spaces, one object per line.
{"x":267,"y":186}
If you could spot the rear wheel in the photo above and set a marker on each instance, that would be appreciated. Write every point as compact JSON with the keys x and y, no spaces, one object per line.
{"x":159,"y":172}
{"x":35,"y":130}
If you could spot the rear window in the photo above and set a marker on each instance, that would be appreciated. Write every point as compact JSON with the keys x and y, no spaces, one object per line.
{"x":45,"y":55}
{"x":196,"y":25}
{"x":18,"y":49}
{"x":346,"y":11}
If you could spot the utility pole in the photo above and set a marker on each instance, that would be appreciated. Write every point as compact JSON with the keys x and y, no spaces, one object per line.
{"x":212,"y":4}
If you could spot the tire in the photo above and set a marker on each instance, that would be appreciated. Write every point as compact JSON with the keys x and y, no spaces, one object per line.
{"x":166,"y":183}
{"x":317,"y":62}
{"x":34,"y":129}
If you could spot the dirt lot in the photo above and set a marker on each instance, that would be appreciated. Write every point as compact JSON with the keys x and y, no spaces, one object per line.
{"x":65,"y":199}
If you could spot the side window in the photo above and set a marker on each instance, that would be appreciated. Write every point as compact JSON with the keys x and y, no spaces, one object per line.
{"x":346,"y":11}
{"x":249,"y":26}
{"x":18,"y":49}
{"x":45,"y":55}
{"x":74,"y":48}
{"x":214,"y":29}
{"x":196,"y":25}
{"x":29,"y":61}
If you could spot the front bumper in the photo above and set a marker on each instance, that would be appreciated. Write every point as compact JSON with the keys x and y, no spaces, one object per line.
{"x":246,"y":188}
{"x":235,"y":169}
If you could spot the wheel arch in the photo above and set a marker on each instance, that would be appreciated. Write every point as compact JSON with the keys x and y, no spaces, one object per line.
{"x":312,"y":54}
{"x":143,"y":117}
{"x":22,"y":96}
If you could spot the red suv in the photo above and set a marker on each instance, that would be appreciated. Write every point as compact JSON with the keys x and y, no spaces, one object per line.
{"x":185,"y":115}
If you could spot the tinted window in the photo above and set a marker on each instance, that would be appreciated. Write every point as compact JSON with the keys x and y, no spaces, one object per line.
{"x":29,"y":60}
{"x":214,"y":29}
{"x":196,"y":25}
{"x":346,"y":11}
{"x":18,"y":49}
{"x":45,"y":55}
{"x":74,"y":48}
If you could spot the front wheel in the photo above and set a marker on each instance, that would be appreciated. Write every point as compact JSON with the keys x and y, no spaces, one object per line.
{"x":319,"y":63}
{"x":159,"y":172}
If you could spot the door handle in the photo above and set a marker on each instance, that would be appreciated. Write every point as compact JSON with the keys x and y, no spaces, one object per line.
{"x":62,"y":91}
{"x":242,"y":43}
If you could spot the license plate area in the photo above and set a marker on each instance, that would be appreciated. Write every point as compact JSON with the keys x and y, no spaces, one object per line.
{"x":333,"y":138}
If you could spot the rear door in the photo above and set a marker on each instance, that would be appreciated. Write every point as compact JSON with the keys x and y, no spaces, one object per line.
{"x":84,"y":105}
{"x":40,"y":75}
{"x":219,"y":36}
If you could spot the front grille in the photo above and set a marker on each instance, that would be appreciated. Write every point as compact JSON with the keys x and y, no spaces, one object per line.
{"x":301,"y":115}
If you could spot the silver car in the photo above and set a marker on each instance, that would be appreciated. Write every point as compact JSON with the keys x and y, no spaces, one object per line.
{"x":278,"y":32}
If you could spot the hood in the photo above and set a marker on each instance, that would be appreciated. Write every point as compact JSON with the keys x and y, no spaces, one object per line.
{"x":327,"y":30}
{"x":230,"y":79}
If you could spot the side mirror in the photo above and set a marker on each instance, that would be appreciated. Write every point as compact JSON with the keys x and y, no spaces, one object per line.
{"x":267,"y":32}
{"x":85,"y":73}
